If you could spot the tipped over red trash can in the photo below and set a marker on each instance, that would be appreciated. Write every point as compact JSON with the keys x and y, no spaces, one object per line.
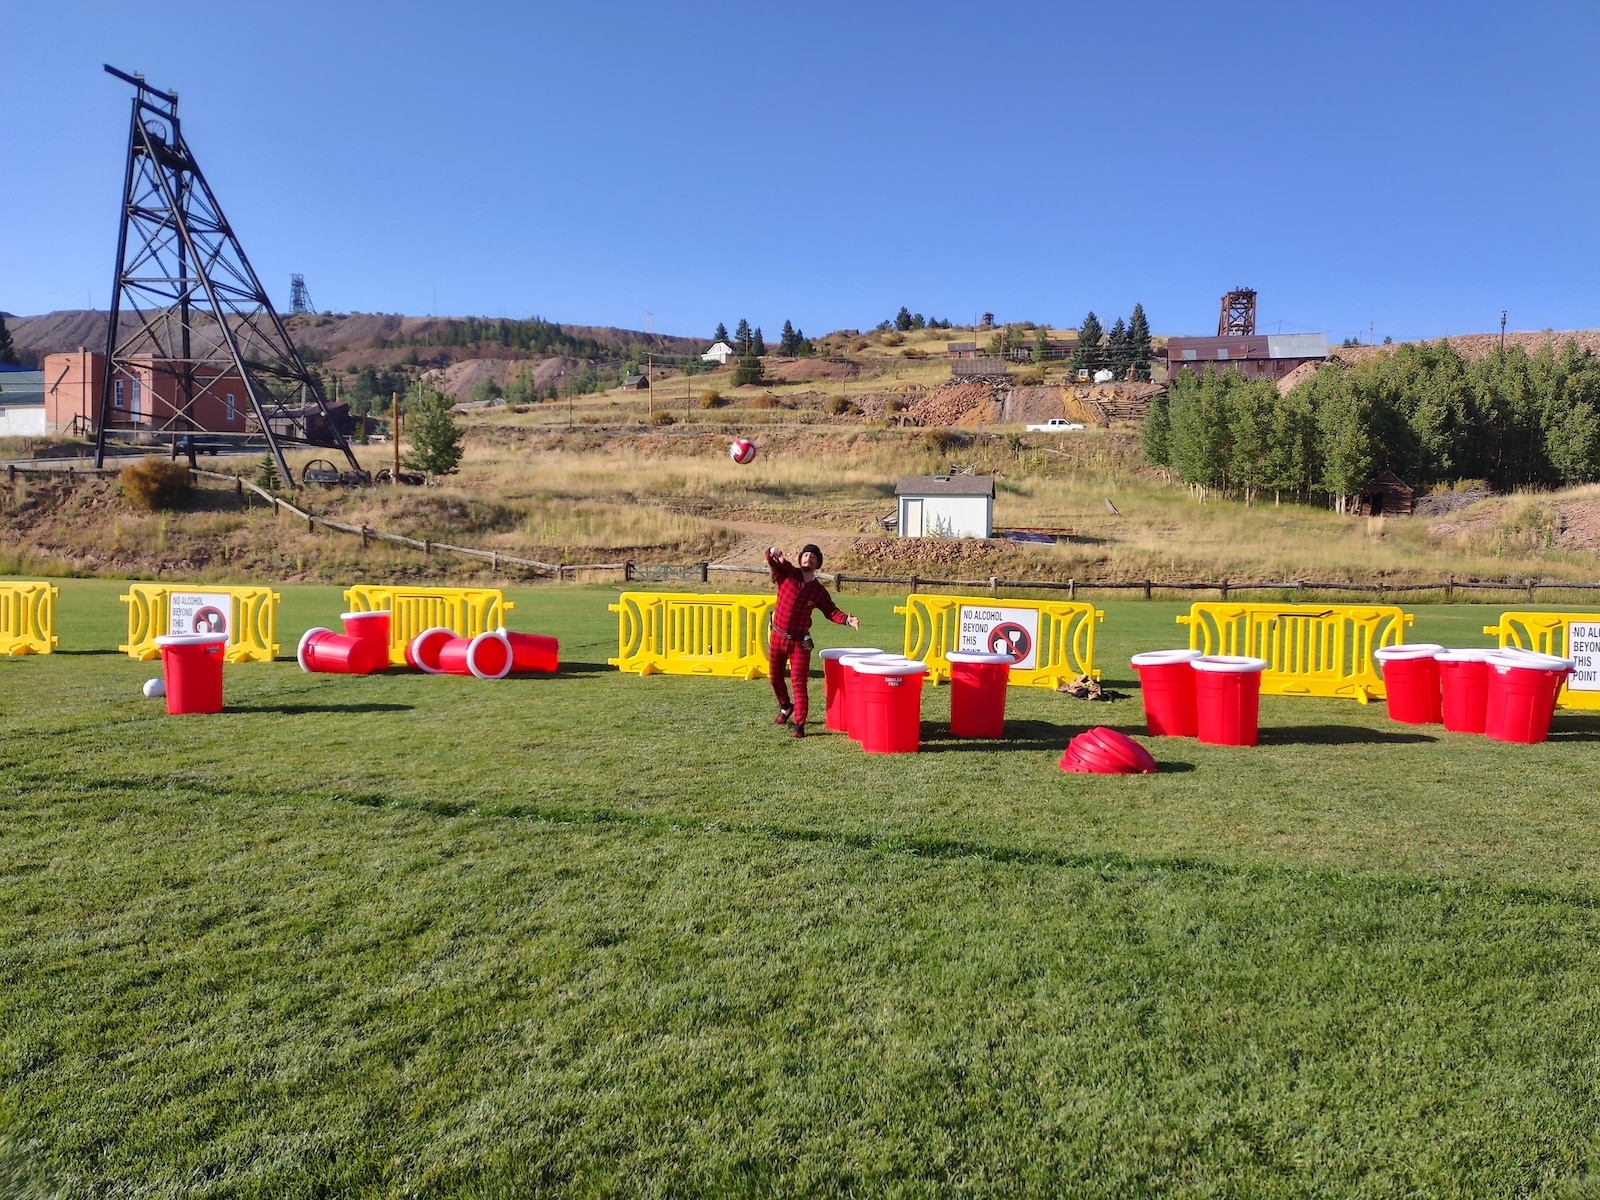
{"x":324,"y":651}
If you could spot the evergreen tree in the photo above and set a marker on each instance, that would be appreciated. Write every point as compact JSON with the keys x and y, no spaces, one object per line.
{"x":741,"y":337}
{"x":1139,"y":342}
{"x":1086,"y":355}
{"x":522,"y":389}
{"x":757,"y":346}
{"x":435,"y":439}
{"x":721,"y":334}
{"x":1157,"y":427}
{"x":1118,"y":353}
{"x":902,"y":319}
{"x":8,"y":352}
{"x":917,"y":321}
{"x":1041,"y":345}
{"x":749,"y":370}
{"x":788,"y":343}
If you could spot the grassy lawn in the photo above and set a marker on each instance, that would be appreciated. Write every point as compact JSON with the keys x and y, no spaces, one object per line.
{"x":600,"y":935}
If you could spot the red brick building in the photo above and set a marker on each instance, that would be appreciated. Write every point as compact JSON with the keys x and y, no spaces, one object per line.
{"x":145,"y":397}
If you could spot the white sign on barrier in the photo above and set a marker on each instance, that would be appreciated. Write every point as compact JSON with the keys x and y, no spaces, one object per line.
{"x":987,"y":629}
{"x":1583,"y":648}
{"x":199,"y":612}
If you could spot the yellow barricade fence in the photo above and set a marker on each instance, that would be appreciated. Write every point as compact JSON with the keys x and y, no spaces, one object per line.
{"x":1052,"y":642}
{"x":468,"y":611}
{"x":1310,"y":649}
{"x":28,"y":617}
{"x":252,"y":617}
{"x":676,"y":633}
{"x":1566,"y":635}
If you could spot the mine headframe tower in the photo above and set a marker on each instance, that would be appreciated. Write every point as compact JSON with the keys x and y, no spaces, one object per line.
{"x":188,"y":311}
{"x":1238,"y":316}
{"x":299,"y":296}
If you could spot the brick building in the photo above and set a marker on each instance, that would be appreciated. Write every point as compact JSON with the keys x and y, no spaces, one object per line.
{"x":144,"y":398}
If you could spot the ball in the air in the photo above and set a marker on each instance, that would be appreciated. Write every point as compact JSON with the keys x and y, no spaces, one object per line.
{"x":742,"y":451}
{"x":154,"y":689}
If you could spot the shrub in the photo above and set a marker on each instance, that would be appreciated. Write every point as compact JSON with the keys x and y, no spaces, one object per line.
{"x":712,"y":399}
{"x":1029,"y":377}
{"x":943,"y":440}
{"x":913,"y":352}
{"x":662,"y":417}
{"x":590,"y":419}
{"x":893,"y":338}
{"x":860,"y":343}
{"x":841,"y":406}
{"x":765,"y":400}
{"x":153,"y":483}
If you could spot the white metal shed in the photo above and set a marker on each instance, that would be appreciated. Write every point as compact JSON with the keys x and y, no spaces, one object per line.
{"x":945,"y":506}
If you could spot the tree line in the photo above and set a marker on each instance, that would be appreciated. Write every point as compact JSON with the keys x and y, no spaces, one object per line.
{"x":1422,"y":411}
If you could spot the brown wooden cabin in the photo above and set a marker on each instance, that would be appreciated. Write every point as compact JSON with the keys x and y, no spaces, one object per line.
{"x":1386,"y":495}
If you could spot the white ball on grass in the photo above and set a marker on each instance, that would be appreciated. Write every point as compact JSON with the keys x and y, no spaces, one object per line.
{"x":154,"y":689}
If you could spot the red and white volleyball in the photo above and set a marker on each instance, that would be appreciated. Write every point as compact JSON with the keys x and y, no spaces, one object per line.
{"x":742,"y":451}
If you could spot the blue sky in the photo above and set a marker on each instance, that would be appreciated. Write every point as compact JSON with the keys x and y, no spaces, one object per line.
{"x":1409,"y":168}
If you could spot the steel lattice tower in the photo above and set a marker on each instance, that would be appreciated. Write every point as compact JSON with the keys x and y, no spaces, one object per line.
{"x":187,"y":306}
{"x":1238,"y":316}
{"x":299,"y":296}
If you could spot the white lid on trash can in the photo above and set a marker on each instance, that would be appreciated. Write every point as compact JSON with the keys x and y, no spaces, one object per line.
{"x":841,"y":651}
{"x":859,"y":656}
{"x":1527,"y":660}
{"x":1408,"y":650}
{"x":976,"y":656}
{"x":1460,"y":656}
{"x":1163,"y":658}
{"x":1229,"y":664}
{"x":190,"y":639}
{"x":891,"y":665}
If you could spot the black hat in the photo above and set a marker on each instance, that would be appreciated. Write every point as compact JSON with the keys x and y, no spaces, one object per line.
{"x":810,"y":548}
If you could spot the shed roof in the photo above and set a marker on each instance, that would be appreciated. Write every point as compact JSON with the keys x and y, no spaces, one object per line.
{"x":22,"y":388}
{"x":946,"y":485}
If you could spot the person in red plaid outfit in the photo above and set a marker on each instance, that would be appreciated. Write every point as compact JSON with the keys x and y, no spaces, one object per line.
{"x":799,"y":591}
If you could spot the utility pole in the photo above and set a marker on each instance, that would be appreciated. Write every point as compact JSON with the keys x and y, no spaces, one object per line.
{"x":1502,"y":331}
{"x":394,"y":406}
{"x":650,"y":383}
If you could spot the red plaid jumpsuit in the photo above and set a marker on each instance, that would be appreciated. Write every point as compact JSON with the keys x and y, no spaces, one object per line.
{"x":790,"y":645}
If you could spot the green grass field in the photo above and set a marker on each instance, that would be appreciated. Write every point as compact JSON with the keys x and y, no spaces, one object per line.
{"x":602,"y":935}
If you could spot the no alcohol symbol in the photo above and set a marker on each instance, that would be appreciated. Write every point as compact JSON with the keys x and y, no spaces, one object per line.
{"x":1010,"y":638}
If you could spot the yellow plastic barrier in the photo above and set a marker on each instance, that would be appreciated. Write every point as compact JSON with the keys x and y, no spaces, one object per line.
{"x":676,"y":633}
{"x":1551,"y":633}
{"x":468,"y":611}
{"x":252,"y":618}
{"x":1310,"y":649}
{"x":28,"y":618}
{"x":1054,"y":640}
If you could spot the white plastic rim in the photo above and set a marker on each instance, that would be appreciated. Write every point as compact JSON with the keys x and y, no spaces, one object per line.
{"x":846,"y":651}
{"x":1163,"y":658}
{"x":974,"y":656}
{"x":1461,"y":656}
{"x":891,"y":666}
{"x":472,"y":655}
{"x":850,"y":660}
{"x":305,"y":640}
{"x":190,"y":639}
{"x":364,"y":616}
{"x":1228,"y":664}
{"x":1410,"y":650}
{"x":417,"y":641}
{"x":1527,"y":660}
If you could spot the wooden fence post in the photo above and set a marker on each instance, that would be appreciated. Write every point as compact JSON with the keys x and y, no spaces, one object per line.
{"x":1531,"y":586}
{"x":1223,"y":588}
{"x":365,"y":532}
{"x":427,"y":547}
{"x":1147,"y":589}
{"x":991,"y":585}
{"x":705,"y":575}
{"x":1450,"y":589}
{"x":1072,"y":589}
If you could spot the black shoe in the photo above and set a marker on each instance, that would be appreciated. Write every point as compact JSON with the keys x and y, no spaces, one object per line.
{"x":799,"y":731}
{"x":783,"y":716}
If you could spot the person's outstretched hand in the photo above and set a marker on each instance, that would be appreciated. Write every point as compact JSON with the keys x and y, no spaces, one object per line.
{"x":854,"y":622}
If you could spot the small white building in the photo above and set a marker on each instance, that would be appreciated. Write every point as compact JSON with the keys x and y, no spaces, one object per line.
{"x":945,"y":506}
{"x":22,"y":404}
{"x":719,"y":353}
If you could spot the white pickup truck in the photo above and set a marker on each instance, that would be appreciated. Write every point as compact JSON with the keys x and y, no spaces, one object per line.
{"x":1055,"y":425}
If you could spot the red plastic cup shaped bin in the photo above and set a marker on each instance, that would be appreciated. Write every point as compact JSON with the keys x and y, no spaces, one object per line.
{"x":1463,"y":689}
{"x":422,"y":651}
{"x":369,"y":626}
{"x":978,"y":693}
{"x":891,"y":704}
{"x":1227,"y":698}
{"x":854,"y":694}
{"x":191,"y":664}
{"x":1522,"y":695}
{"x":325,"y":652}
{"x":1166,"y":681}
{"x":486,"y":656}
{"x":1411,"y":682}
{"x":833,"y":684}
{"x":532,"y":653}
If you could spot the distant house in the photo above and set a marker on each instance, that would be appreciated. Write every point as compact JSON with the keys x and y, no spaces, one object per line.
{"x":719,"y":353}
{"x":1385,"y":495}
{"x":961,"y":349}
{"x":946,"y":506}
{"x":635,"y":383}
{"x":1256,"y":355}
{"x":22,"y":404}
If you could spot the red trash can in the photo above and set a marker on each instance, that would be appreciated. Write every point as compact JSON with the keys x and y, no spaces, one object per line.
{"x":891,"y":704}
{"x":191,"y":664}
{"x":324,"y":651}
{"x":854,"y":694}
{"x":422,"y":651}
{"x":533,"y":652}
{"x":370,"y":627}
{"x":978,"y":693}
{"x":1463,"y":689}
{"x":486,"y":656}
{"x":1166,"y":681}
{"x":834,"y":696}
{"x":1522,"y":695}
{"x":1227,"y":694}
{"x":1411,"y":682}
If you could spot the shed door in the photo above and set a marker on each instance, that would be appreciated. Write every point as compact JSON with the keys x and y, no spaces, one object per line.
{"x":913,"y":521}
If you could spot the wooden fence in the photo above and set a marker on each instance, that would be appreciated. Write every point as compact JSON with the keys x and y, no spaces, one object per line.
{"x":701,"y":572}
